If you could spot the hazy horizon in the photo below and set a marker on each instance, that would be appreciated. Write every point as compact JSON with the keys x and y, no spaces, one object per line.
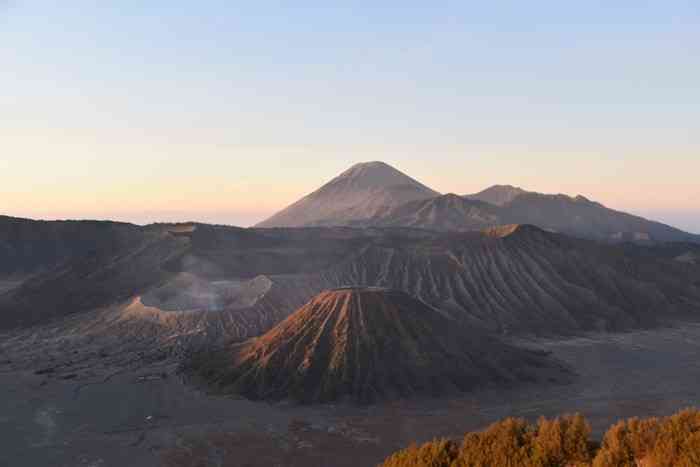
{"x":679,"y":219}
{"x":225,"y":113}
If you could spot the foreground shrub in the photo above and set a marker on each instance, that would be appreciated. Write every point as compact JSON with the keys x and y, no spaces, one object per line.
{"x":565,"y":442}
{"x":510,"y":443}
{"x":668,"y":442}
{"x":438,"y":453}
{"x":515,"y":443}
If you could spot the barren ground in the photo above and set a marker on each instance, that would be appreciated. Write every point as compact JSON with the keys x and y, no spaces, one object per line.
{"x":97,"y":404}
{"x":7,"y":285}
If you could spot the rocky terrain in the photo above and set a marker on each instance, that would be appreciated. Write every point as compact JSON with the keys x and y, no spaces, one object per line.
{"x":366,"y":344}
{"x":87,"y":280}
{"x":28,"y":247}
{"x":214,"y":283}
{"x":69,"y":401}
{"x":439,"y":295}
{"x":94,"y":382}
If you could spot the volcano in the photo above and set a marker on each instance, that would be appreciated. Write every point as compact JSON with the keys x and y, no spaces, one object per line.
{"x":359,"y":193}
{"x":364,"y":344}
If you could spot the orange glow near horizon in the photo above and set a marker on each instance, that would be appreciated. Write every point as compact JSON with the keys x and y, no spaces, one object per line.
{"x":228,"y":113}
{"x":94,"y":174}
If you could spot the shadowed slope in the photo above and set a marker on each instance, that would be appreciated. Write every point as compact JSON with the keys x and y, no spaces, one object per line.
{"x":576,"y":216}
{"x":98,"y":278}
{"x":497,"y":195}
{"x":521,"y":279}
{"x":504,"y":204}
{"x":367,"y":344}
{"x":29,"y":247}
{"x":513,"y":280}
{"x":447,"y":212}
{"x":582,"y":217}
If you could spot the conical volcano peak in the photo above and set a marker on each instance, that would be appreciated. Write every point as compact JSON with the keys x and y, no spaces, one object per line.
{"x":377,"y":304}
{"x":376,"y":175}
{"x":358,"y":193}
{"x":365,"y":344}
{"x":361,"y":167}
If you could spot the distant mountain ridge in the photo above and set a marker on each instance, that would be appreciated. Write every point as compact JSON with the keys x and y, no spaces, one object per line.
{"x":377,"y":195}
{"x":445,"y":212}
{"x":498,"y":194}
{"x":582,"y":217}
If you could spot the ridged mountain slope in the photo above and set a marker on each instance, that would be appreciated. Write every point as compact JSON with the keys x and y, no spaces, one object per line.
{"x":367,"y":344}
{"x":447,"y":212}
{"x":218,"y":283}
{"x":520,"y":279}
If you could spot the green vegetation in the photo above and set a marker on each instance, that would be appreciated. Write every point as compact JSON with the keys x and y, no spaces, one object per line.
{"x":565,"y":442}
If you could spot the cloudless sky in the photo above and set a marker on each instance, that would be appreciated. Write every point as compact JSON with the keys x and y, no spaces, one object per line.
{"x":225,"y":111}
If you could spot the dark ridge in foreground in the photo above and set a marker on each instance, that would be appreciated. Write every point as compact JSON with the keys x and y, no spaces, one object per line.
{"x":365,"y":344}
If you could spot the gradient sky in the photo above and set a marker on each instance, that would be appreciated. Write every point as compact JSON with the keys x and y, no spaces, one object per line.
{"x":218,"y":112}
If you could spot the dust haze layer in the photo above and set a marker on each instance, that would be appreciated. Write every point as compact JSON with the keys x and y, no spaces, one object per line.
{"x":368,"y":344}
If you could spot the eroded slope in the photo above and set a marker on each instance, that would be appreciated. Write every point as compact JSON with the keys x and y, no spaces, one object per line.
{"x":367,"y":344}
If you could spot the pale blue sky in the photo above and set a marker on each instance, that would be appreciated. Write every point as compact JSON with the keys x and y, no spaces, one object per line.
{"x":225,"y":112}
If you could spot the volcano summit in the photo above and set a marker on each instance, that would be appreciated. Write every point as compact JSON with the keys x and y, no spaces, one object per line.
{"x":366,"y":344}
